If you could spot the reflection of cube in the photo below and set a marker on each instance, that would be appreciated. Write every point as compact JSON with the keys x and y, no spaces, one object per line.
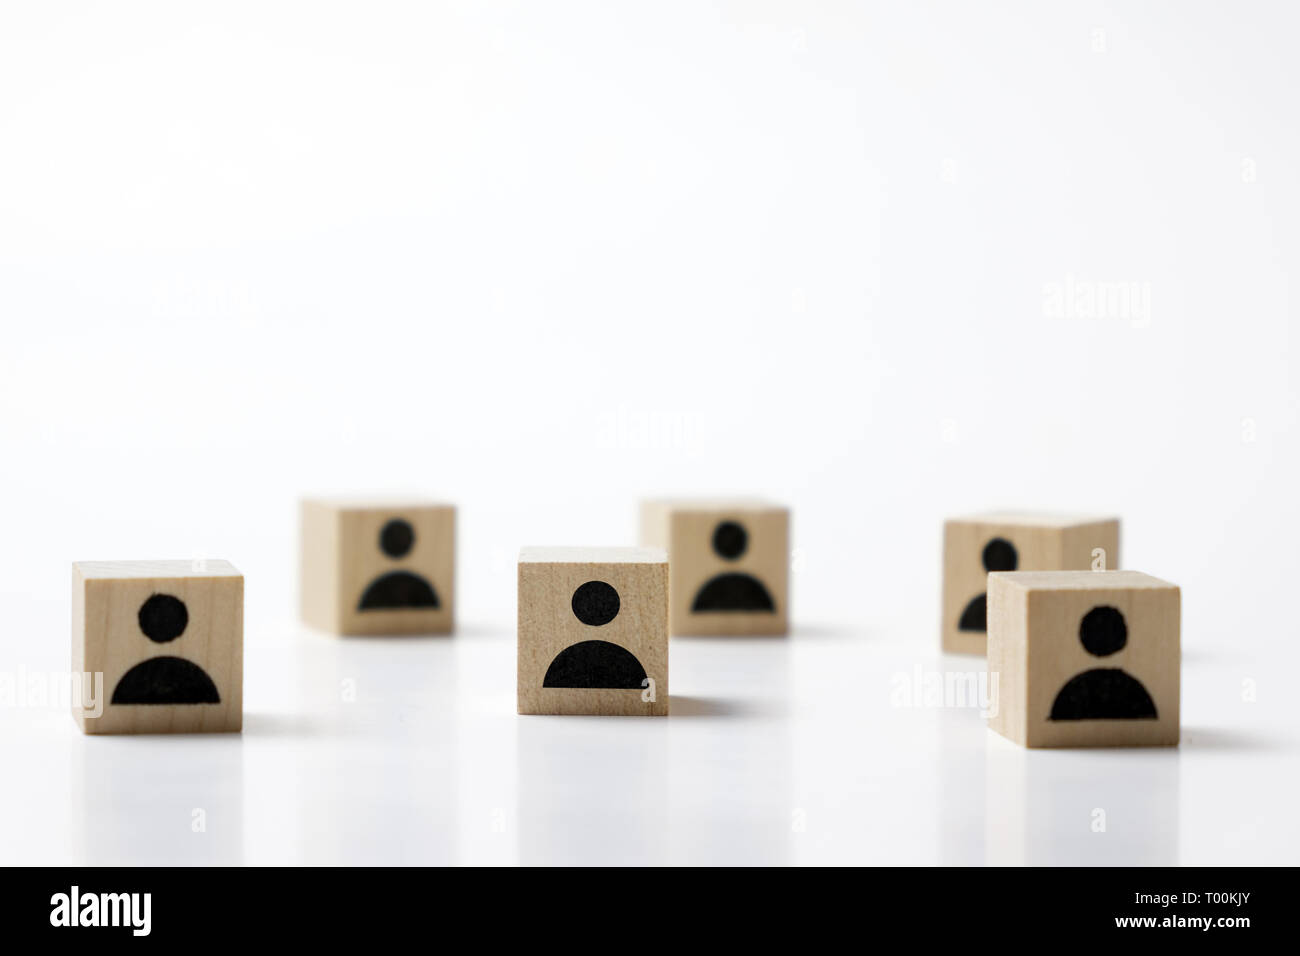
{"x":974,"y":546}
{"x":167,"y":638}
{"x":593,"y":631}
{"x":378,"y":567}
{"x":730,"y":563}
{"x":1084,"y":658}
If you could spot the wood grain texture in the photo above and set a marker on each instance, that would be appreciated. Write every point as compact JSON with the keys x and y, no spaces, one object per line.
{"x":685,"y":529}
{"x":548,"y":578}
{"x":1043,"y":542}
{"x":1035,"y":650}
{"x":107,"y":638}
{"x":341,"y":558}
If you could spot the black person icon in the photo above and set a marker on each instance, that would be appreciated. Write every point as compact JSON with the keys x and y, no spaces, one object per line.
{"x":732,"y":590}
{"x":1103,"y":693}
{"x":165,"y":679}
{"x":401,"y":588}
{"x":999,"y":555}
{"x":595,"y":663}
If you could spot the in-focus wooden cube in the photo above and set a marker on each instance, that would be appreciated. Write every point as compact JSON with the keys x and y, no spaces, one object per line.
{"x":372,"y":566}
{"x":1084,"y":658}
{"x":1008,"y":541}
{"x":593,"y":631}
{"x":729,"y":563}
{"x":167,"y":638}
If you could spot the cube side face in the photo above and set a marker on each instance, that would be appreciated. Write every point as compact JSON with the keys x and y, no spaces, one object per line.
{"x":79,"y":643}
{"x":598,"y":666}
{"x":730,"y":571}
{"x":654,"y":524}
{"x":1008,"y":621}
{"x":170,"y":651}
{"x":396,"y":570}
{"x":318,"y":579}
{"x":1104,"y":667}
{"x":1093,"y":546}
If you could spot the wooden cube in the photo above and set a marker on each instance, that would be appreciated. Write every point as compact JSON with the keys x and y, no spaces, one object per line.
{"x":974,"y":546}
{"x":378,"y":567}
{"x":593,"y":631}
{"x":1084,"y":658}
{"x":168,"y":638}
{"x":729,"y":563}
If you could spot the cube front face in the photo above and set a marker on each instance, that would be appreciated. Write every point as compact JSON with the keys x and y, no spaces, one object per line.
{"x":1085,"y":659}
{"x":974,"y":547}
{"x":593,"y":633}
{"x":168,"y":638}
{"x":378,"y":568}
{"x":730,"y":566}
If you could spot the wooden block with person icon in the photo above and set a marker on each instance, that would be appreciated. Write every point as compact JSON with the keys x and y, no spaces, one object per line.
{"x":593,"y":631}
{"x":378,"y":566}
{"x":1084,"y":658}
{"x":730,"y":563}
{"x":167,"y":638}
{"x":1011,"y":541}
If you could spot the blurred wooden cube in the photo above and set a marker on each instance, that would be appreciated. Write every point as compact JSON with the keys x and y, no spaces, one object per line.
{"x":974,"y":546}
{"x":372,"y":566}
{"x":729,"y":560}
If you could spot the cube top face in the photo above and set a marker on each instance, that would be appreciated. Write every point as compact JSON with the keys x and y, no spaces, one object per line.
{"x":730,"y":564}
{"x":168,"y":638}
{"x":378,"y":567}
{"x":976,"y":546}
{"x":1084,"y":581}
{"x":377,"y":502}
{"x":1034,"y":519}
{"x":714,"y":504}
{"x":593,"y":631}
{"x":572,"y":555}
{"x":1085,"y":658}
{"x":128,"y":570}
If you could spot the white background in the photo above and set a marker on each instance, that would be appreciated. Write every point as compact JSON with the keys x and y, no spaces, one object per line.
{"x":545,"y":259}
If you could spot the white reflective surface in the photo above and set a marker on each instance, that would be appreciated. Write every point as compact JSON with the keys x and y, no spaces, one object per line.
{"x":778,"y":751}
